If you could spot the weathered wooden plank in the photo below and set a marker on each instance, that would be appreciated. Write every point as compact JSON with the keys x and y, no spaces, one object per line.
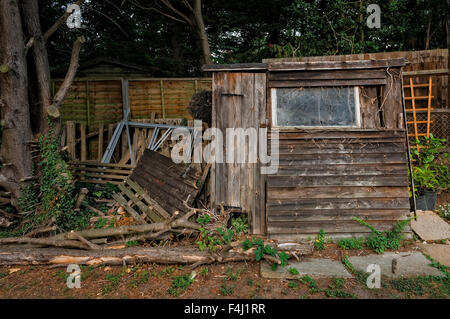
{"x":336,"y":192}
{"x":338,"y":203}
{"x":260,"y":104}
{"x":99,"y":164}
{"x":83,"y":142}
{"x":349,"y":180}
{"x":369,"y":107}
{"x":338,"y":134}
{"x":336,"y":65}
{"x":152,"y":203}
{"x":71,"y":139}
{"x":100,"y":142}
{"x":341,"y":148}
{"x":321,"y":159}
{"x":335,"y":226}
{"x":125,"y":172}
{"x":324,"y":83}
{"x":330,"y":75}
{"x":333,"y":215}
{"x":154,"y":218}
{"x":122,"y":201}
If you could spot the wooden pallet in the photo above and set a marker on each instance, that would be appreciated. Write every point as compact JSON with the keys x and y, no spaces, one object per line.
{"x":100,"y":173}
{"x":139,"y":204}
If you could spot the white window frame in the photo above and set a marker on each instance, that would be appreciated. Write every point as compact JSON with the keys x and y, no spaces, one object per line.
{"x":273,"y":93}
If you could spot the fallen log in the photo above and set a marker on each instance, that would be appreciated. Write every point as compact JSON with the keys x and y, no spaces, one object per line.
{"x":132,"y":255}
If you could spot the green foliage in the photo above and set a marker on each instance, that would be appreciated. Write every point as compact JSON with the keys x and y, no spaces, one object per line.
{"x":114,"y":280}
{"x":28,"y":196}
{"x":337,"y":283}
{"x":307,"y":280}
{"x":293,"y":271}
{"x":204,"y":271}
{"x":319,"y":244}
{"x":57,"y":187}
{"x":262,"y":249}
{"x":101,"y":223}
{"x":337,"y":293}
{"x":380,"y":241}
{"x":204,"y":220}
{"x":131,"y":243}
{"x":214,"y":239}
{"x":348,"y":264}
{"x":351,"y":243}
{"x":293,"y":284}
{"x":140,"y":278}
{"x":180,"y":284}
{"x":430,"y":164}
{"x":240,"y":224}
{"x":226,"y":290}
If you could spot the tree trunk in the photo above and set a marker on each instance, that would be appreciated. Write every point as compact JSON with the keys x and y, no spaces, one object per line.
{"x":15,"y":151}
{"x":31,"y":20}
{"x":202,"y":32}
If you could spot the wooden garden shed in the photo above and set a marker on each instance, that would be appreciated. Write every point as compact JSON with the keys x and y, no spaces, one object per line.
{"x":342,"y":145}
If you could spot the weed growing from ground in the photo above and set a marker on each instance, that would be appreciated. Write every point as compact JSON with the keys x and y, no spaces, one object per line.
{"x":319,"y":243}
{"x":351,"y":243}
{"x":226,"y":290}
{"x":380,"y":241}
{"x":204,"y":271}
{"x":293,"y":271}
{"x":180,"y":284}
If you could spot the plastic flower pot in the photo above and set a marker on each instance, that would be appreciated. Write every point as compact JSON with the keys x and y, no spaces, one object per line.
{"x":421,"y":203}
{"x":430,"y":199}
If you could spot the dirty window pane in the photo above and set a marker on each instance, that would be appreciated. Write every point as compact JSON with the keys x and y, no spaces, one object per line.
{"x":322,"y":106}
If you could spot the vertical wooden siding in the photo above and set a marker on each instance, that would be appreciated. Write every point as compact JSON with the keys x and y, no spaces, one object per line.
{"x":239,"y":184}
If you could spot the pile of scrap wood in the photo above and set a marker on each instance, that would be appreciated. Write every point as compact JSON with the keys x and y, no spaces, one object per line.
{"x":159,"y":196}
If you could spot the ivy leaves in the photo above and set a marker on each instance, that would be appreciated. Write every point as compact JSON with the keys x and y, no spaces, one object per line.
{"x":262,"y":249}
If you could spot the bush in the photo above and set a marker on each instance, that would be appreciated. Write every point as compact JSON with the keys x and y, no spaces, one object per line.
{"x":200,"y":106}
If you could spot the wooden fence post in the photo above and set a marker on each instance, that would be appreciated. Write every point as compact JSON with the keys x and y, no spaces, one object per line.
{"x":100,"y":142}
{"x":163,"y":107}
{"x":83,"y":141}
{"x":88,"y":107}
{"x":71,"y":139}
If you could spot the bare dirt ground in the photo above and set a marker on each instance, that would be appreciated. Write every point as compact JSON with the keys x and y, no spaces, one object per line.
{"x":233,"y":280}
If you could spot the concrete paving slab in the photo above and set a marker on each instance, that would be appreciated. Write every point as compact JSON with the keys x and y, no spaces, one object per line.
{"x":313,"y":267}
{"x":440,"y":253}
{"x":409,"y":264}
{"x":429,"y":226}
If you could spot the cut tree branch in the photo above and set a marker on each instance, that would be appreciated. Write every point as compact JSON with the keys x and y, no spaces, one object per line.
{"x":53,"y":109}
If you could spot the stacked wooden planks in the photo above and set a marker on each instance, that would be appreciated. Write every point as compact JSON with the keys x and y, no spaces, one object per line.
{"x":167,"y":183}
{"x":325,"y":179}
{"x":100,"y":173}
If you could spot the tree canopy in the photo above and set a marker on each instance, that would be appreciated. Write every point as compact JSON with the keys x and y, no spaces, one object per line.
{"x":149,"y":33}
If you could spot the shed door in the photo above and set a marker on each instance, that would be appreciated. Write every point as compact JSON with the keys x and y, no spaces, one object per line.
{"x":239,"y":101}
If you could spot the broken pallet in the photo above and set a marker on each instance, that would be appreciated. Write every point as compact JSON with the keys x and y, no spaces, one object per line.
{"x":138,"y":198}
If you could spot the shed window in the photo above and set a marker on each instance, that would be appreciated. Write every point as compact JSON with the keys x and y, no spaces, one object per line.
{"x":316,"y":107}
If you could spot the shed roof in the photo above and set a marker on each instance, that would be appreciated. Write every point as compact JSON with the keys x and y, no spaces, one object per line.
{"x":307,"y":66}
